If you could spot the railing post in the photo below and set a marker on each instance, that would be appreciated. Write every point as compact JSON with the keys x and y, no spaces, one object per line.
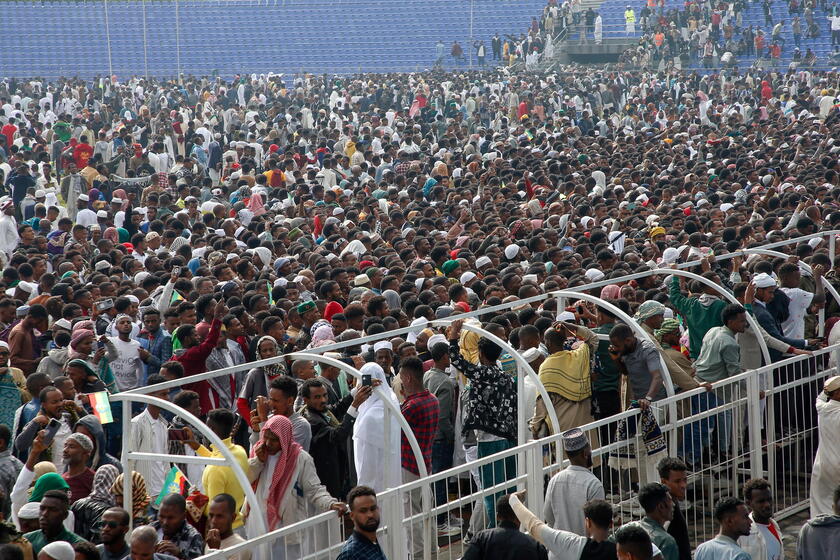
{"x":129,"y":463}
{"x":754,"y":425}
{"x":534,"y":480}
{"x":394,"y":508}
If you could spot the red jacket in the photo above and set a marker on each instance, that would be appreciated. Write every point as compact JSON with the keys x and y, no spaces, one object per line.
{"x":194,"y":361}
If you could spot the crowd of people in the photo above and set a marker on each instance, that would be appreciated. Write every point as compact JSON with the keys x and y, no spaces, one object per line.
{"x":152,"y":231}
{"x":711,"y":34}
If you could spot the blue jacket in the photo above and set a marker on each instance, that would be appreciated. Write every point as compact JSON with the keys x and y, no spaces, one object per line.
{"x":160,"y":349}
{"x":774,"y":329}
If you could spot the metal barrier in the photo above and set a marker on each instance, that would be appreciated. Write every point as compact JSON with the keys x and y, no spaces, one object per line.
{"x":740,"y":438}
{"x":684,"y":418}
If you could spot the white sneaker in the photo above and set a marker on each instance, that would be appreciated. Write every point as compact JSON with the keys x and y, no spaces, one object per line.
{"x":447,"y":530}
{"x":455,"y":521}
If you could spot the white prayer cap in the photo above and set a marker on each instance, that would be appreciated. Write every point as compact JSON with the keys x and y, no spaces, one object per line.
{"x":593,"y":274}
{"x":482,"y":261}
{"x":511,"y":250}
{"x":670,"y":255}
{"x":567,"y":316}
{"x":382,"y":345}
{"x":436,"y":339}
{"x":466,"y":277}
{"x":763,"y":280}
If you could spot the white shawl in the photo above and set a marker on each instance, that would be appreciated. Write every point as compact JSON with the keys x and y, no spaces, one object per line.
{"x":371,"y":443}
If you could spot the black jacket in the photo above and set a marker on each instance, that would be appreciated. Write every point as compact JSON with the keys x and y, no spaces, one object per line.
{"x":678,"y":528}
{"x":329,"y":447}
{"x":505,"y":542}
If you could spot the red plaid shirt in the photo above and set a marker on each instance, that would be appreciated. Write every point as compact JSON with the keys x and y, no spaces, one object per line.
{"x":421,"y":411}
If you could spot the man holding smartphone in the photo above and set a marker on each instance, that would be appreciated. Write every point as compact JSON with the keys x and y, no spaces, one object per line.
{"x":55,"y":421}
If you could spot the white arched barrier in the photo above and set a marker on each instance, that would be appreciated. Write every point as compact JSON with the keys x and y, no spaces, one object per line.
{"x":727,"y":296}
{"x":826,"y":284}
{"x":393,"y":410}
{"x":128,"y":455}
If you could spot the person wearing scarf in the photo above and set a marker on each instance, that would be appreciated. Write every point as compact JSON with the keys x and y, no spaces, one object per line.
{"x":89,"y":510}
{"x":282,"y":473}
{"x":139,"y":496}
{"x":371,"y":440}
{"x":255,"y":205}
{"x":258,"y":379}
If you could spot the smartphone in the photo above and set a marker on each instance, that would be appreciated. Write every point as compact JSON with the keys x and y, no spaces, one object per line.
{"x":177,"y":434}
{"x":51,"y":430}
{"x":367,"y":381}
{"x":176,"y":271}
{"x":104,"y":304}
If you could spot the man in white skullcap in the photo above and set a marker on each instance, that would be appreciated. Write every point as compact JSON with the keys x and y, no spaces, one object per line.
{"x":764,"y":289}
{"x":512,"y":252}
{"x":573,"y":486}
{"x":85,"y":216}
{"x":58,"y":550}
{"x":383,"y":353}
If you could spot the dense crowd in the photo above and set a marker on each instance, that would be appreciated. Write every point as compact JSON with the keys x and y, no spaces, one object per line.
{"x":152,"y":231}
{"x":713,"y":34}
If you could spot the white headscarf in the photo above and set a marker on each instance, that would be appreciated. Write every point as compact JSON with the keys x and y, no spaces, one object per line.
{"x":370,"y":443}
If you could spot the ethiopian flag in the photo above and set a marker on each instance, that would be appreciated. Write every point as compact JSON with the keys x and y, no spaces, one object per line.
{"x":101,"y":406}
{"x":175,"y":483}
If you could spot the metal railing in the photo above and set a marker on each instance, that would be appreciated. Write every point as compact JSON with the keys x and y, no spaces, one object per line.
{"x":750,"y":433}
{"x":753,"y":447}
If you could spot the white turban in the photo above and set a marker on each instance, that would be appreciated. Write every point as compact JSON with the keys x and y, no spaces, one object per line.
{"x":763,"y":280}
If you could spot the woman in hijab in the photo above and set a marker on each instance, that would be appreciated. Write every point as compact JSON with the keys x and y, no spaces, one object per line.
{"x":255,"y":205}
{"x":371,"y":441}
{"x":259,"y":378}
{"x":393,"y":299}
{"x":613,"y":291}
{"x":139,"y":496}
{"x":94,"y":195}
{"x":89,"y":510}
{"x":284,"y":478}
{"x":111,"y":235}
{"x":120,"y":193}
{"x":45,"y":478}
{"x":322,"y":336}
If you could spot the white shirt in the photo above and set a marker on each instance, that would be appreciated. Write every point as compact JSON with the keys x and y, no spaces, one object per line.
{"x":794,"y":326}
{"x":567,"y":491}
{"x":149,"y":435}
{"x":9,"y":237}
{"x":86,"y":217}
{"x":127,"y":368}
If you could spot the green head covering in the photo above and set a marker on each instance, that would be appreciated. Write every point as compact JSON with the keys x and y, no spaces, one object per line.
{"x":648,"y":309}
{"x":123,"y":235}
{"x":668,"y":326}
{"x":305,"y":307}
{"x":583,"y":158}
{"x":48,"y":481}
{"x":449,"y":266}
{"x":68,"y":274}
{"x":83,"y":364}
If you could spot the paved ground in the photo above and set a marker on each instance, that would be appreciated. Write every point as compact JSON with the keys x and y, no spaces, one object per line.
{"x":790,"y":528}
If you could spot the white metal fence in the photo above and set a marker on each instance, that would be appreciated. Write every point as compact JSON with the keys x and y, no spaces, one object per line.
{"x":738,"y":435}
{"x":745,"y":436}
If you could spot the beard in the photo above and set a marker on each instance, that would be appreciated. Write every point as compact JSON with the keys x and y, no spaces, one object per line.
{"x":371,"y":525}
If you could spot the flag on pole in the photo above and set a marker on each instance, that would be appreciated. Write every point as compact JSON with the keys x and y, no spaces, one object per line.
{"x":176,"y":297}
{"x":175,"y":483}
{"x":101,"y":406}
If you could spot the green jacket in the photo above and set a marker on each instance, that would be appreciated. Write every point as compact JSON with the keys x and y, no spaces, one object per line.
{"x":700,"y":315}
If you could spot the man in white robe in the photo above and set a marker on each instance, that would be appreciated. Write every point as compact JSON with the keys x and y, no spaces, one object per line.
{"x":825,"y":476}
